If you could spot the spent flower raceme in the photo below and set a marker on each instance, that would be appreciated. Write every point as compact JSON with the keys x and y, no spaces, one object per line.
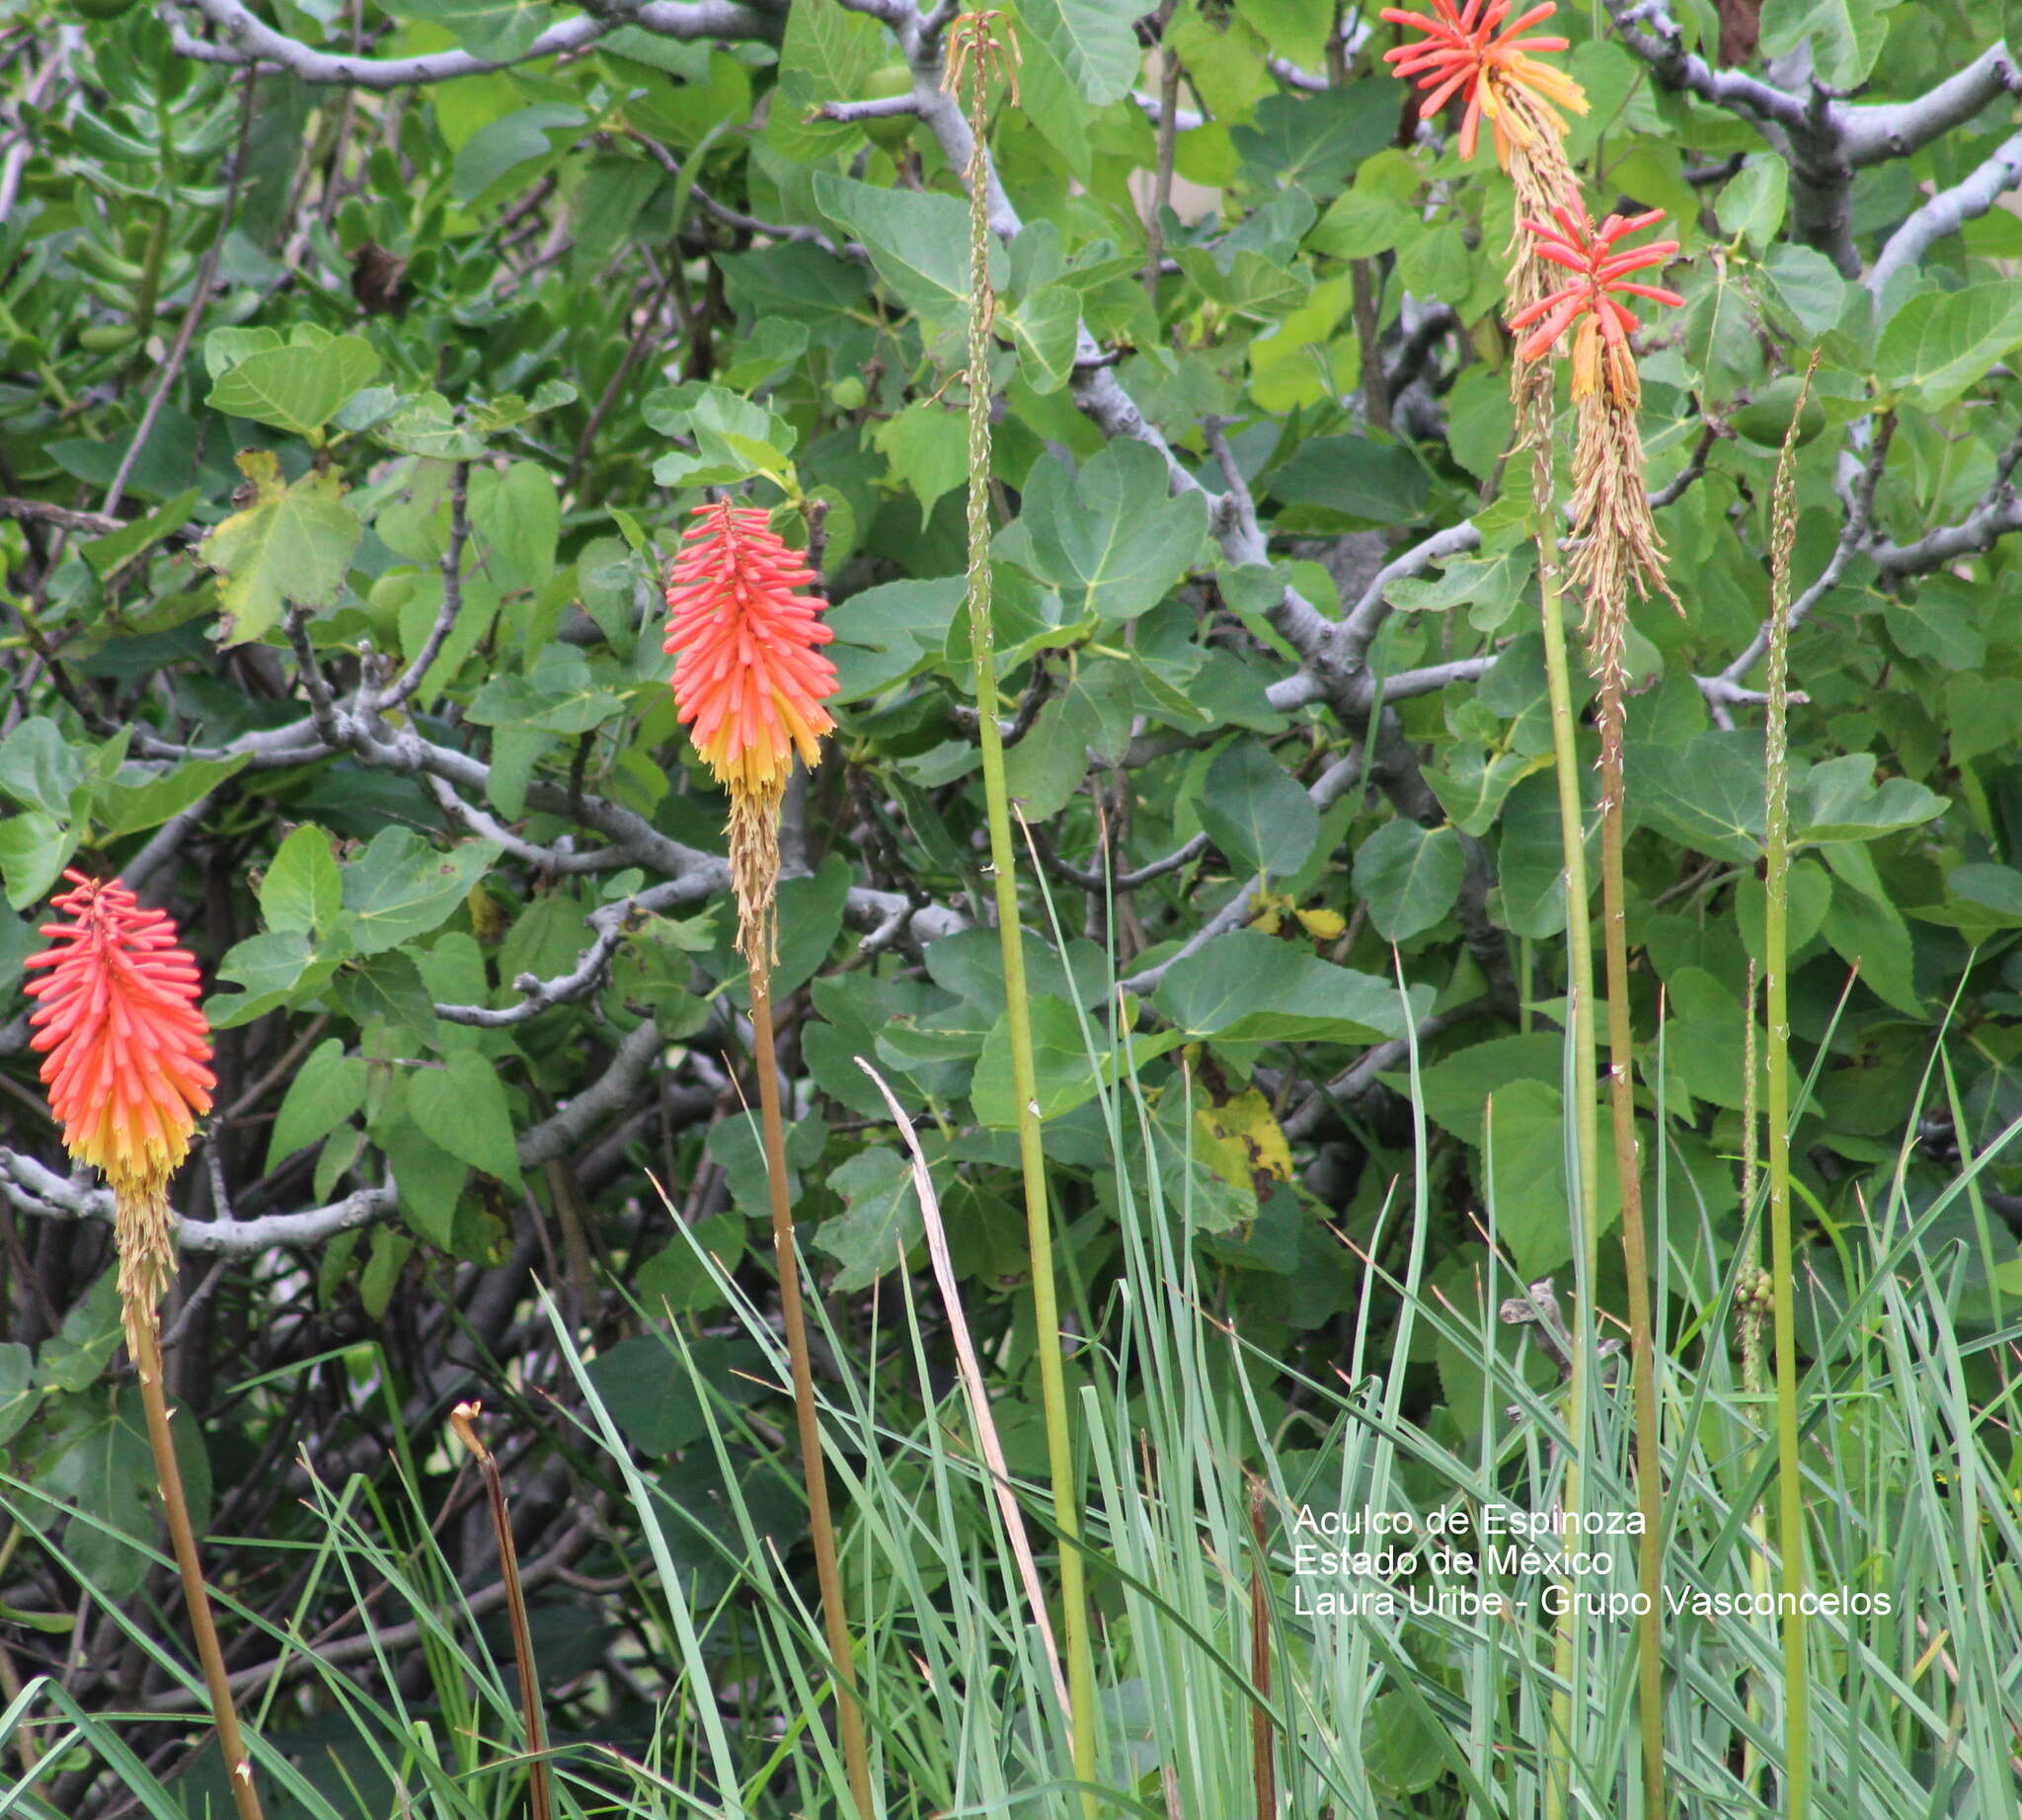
{"x":750,"y":680}
{"x":1472,"y":52}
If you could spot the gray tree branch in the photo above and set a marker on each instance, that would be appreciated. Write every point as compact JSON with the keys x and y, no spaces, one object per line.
{"x":243,"y":39}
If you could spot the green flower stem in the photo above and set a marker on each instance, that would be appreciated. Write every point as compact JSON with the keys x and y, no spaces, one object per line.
{"x":1018,"y":1017}
{"x":820,"y":1521}
{"x":1621,"y":1042}
{"x":1585,"y":1114}
{"x":1790,"y":1535}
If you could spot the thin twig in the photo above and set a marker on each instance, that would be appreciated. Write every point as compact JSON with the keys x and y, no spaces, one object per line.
{"x":199,"y":298}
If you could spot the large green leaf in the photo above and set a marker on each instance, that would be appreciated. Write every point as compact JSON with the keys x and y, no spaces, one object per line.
{"x":917,"y":240}
{"x":1109,"y":536}
{"x":330,"y":1088}
{"x":881,"y":1219}
{"x":1354,"y":476}
{"x":1247,"y":986}
{"x":1067,"y":1073}
{"x":299,"y":387}
{"x":1841,"y":802}
{"x":499,"y":31}
{"x":430,"y":1179}
{"x":1095,"y":42}
{"x":1940,"y":344}
{"x":34,"y":850}
{"x":510,"y":151}
{"x":1531,"y":859}
{"x":401,"y":887}
{"x":1842,"y":37}
{"x":277,"y":968}
{"x":1455,"y":1090}
{"x":1526,"y":1141}
{"x":1408,"y":876}
{"x":302,"y":889}
{"x":1254,"y":812}
{"x":561,"y":695}
{"x":462,"y":1107}
{"x":39,"y":767}
{"x":1708,"y":794}
{"x":126,"y":806}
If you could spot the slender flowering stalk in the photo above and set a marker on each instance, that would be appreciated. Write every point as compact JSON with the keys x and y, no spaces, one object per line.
{"x":748,"y":682}
{"x":1488,"y":63}
{"x":1790,"y":1530}
{"x":1616,"y":543}
{"x":126,"y":1060}
{"x":980,"y":44}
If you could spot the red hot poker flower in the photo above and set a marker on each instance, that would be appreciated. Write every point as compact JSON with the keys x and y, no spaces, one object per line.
{"x":126,"y":1053}
{"x":1471,"y":52}
{"x":1603,"y":272}
{"x":748,"y":679}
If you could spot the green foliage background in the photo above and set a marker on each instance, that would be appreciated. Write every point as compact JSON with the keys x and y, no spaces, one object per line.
{"x":346,"y":431}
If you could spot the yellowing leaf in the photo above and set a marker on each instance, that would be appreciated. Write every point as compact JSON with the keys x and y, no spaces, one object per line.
{"x":1242,"y":1142}
{"x":293,"y":542}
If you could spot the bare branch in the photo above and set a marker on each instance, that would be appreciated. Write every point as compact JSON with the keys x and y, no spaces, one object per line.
{"x":585,"y":976}
{"x":1999,"y":513}
{"x":451,"y":569}
{"x":244,"y":39}
{"x":1360,"y":1082}
{"x":1357,"y":631}
{"x":1408,"y":684}
{"x":606,"y":1095}
{"x":1947,"y":212}
{"x":883,"y":108}
{"x":1896,"y":128}
{"x":30,"y":1187}
{"x":1653,"y":35}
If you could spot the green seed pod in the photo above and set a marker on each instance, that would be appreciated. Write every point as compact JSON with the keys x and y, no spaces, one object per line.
{"x":1766,"y":418}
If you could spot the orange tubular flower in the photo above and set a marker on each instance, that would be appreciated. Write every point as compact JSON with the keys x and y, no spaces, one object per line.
{"x":1472,"y":54}
{"x":747,"y":675}
{"x":126,"y":1060}
{"x":126,"y":1050}
{"x":750,"y":683}
{"x":1603,"y":272}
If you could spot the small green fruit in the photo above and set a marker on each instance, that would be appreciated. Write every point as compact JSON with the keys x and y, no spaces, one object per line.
{"x":107,"y":337}
{"x":1766,"y":418}
{"x":889,"y":131}
{"x":848,"y":394}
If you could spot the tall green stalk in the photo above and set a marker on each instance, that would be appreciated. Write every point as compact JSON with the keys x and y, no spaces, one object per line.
{"x":1586,"y":1115}
{"x":1621,"y":1042}
{"x":1790,"y":1537}
{"x":973,"y":47}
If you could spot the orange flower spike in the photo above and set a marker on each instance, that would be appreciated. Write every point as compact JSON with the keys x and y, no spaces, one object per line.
{"x":748,"y":679}
{"x":1603,"y":272}
{"x":1474,"y":53}
{"x":126,"y":1052}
